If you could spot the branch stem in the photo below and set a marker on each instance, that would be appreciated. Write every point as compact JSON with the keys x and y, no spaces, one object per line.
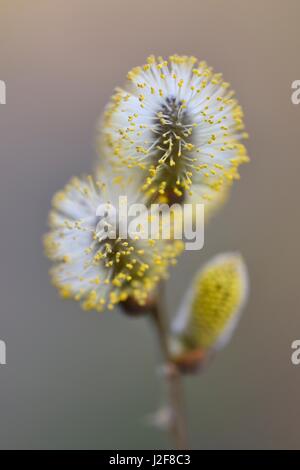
{"x":178,"y":426}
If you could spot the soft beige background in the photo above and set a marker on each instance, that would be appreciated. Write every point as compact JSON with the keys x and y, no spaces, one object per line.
{"x":78,"y":380}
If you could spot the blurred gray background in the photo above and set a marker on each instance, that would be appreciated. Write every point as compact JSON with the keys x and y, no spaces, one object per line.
{"x":85,"y":380}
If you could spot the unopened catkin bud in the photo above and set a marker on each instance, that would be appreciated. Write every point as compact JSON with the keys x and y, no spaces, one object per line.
{"x":210,"y":310}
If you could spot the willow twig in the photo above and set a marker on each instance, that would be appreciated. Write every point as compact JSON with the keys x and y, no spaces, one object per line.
{"x":178,"y":426}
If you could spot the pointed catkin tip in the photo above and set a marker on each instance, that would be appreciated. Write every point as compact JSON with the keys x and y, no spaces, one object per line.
{"x":210,"y":310}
